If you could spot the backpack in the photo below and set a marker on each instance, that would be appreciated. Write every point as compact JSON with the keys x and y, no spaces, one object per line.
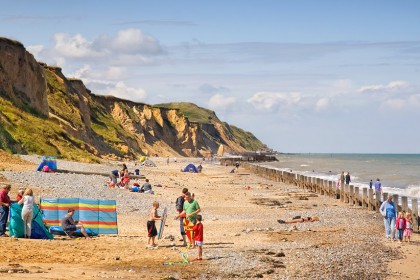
{"x":179,"y":203}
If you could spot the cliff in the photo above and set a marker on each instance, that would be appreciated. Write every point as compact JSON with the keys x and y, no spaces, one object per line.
{"x":43,"y":112}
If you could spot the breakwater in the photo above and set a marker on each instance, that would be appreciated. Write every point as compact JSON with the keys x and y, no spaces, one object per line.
{"x":350,"y":194}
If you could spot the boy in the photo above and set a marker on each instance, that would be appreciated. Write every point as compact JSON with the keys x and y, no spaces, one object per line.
{"x":151,"y":227}
{"x":198,"y":237}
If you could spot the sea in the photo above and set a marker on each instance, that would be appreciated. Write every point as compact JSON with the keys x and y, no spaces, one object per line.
{"x":398,"y":173}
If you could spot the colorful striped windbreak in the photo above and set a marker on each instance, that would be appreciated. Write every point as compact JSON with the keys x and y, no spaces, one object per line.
{"x":99,"y":216}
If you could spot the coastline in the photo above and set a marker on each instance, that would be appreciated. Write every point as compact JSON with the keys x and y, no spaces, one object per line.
{"x":242,"y":236}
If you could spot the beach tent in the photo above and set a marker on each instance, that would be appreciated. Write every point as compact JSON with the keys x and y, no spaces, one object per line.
{"x":49,"y":161}
{"x":190,"y":168}
{"x":148,"y":162}
{"x":16,"y":227}
{"x":99,"y":216}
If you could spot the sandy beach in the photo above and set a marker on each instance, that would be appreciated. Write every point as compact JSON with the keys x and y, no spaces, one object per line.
{"x":242,"y":238}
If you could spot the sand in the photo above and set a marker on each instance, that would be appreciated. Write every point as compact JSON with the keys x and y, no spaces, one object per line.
{"x":242,"y":237}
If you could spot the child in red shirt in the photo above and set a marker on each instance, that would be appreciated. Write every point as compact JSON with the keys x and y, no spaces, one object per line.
{"x":198,"y":237}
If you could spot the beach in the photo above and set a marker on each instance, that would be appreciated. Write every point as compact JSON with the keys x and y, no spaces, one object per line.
{"x":242,"y":238}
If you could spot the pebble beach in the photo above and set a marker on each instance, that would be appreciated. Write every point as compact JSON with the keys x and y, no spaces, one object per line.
{"x":242,"y":238}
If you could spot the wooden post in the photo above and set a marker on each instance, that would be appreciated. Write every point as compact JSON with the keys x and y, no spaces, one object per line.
{"x":357,"y":196}
{"x":396,"y":201}
{"x":342,"y":192}
{"x":346,"y":193}
{"x":377,"y":200}
{"x":351,"y":195}
{"x":365,"y":198}
{"x":330,"y":188}
{"x":404,"y":203}
{"x":370,"y":200}
{"x":415,"y":212}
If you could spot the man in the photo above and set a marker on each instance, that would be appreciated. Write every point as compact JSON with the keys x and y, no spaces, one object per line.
{"x":191,"y":208}
{"x":68,"y":224}
{"x":4,"y":209}
{"x":146,"y":187}
{"x":378,"y":186}
{"x":179,"y":204}
{"x":348,"y":178}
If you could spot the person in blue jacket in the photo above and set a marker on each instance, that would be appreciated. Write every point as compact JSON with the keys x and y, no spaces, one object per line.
{"x":388,"y":210}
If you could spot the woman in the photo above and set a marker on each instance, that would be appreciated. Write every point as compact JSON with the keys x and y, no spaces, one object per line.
{"x":389,"y":212}
{"x":27,"y":211}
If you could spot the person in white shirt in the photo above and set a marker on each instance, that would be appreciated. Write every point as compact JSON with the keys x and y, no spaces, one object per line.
{"x":27,"y":211}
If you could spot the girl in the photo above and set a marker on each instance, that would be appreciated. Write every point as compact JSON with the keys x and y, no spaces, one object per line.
{"x":400,"y":226}
{"x":408,"y":227}
{"x":27,"y":211}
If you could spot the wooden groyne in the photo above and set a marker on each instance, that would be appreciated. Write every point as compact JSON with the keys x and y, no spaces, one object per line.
{"x":350,"y":194}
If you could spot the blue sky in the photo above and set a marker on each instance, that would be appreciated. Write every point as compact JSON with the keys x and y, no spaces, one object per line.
{"x":302,"y":76}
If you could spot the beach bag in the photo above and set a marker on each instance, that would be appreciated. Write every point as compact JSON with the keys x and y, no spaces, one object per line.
{"x":179,"y":203}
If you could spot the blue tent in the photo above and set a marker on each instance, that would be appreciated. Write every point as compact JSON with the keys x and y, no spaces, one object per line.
{"x":50,"y":161}
{"x":39,"y":231}
{"x":190,"y":168}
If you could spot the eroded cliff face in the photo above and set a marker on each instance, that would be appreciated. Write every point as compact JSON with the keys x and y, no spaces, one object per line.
{"x":21,"y":77}
{"x":65,"y":119}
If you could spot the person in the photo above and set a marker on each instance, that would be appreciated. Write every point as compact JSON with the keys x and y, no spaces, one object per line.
{"x":123,"y":169}
{"x":167,"y":160}
{"x":199,"y":168}
{"x":27,"y":211}
{"x":389,"y":212}
{"x":68,"y":224}
{"x":114,"y":176}
{"x":408,"y":227}
{"x":348,"y":178}
{"x":198,"y":237}
{"x":179,"y":204}
{"x":342,"y":177}
{"x":400,"y":226}
{"x":20,"y":194}
{"x":190,"y":209}
{"x":125,"y":180}
{"x":237,"y":165}
{"x":370,"y":184}
{"x":4,"y":208}
{"x":151,"y":227}
{"x":378,"y":185}
{"x":146,"y":187}
{"x":299,"y":219}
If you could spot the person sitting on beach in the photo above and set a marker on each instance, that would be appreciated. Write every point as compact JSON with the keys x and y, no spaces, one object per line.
{"x":146,"y":187}
{"x":299,"y":219}
{"x":68,"y":224}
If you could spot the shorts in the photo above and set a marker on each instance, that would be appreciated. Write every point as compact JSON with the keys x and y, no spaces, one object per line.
{"x":151,"y":229}
{"x":198,"y":243}
{"x":71,"y":228}
{"x":407,"y":232}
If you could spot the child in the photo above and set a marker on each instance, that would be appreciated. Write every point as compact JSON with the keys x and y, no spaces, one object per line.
{"x":151,"y":227}
{"x":400,"y":226}
{"x":408,"y":227}
{"x":198,"y":237}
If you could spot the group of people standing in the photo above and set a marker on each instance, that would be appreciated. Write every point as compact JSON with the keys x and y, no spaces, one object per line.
{"x":397,"y":227}
{"x":188,"y":209}
{"x":25,"y":198}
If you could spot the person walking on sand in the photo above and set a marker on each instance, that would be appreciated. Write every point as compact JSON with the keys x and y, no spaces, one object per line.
{"x":408,"y":227}
{"x":348,"y":178}
{"x":370,"y":184}
{"x":198,"y":237}
{"x":400,"y":226}
{"x":27,"y":211}
{"x":151,"y":227}
{"x":389,"y":212}
{"x":4,"y":208}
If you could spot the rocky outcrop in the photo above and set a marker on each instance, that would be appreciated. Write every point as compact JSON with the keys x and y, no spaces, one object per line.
{"x":64,"y":118}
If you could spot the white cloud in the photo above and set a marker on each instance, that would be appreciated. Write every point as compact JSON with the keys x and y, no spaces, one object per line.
{"x":120,"y":90}
{"x":73,"y":46}
{"x":114,"y":72}
{"x":220,"y":102}
{"x":322,"y":104}
{"x":132,"y":41}
{"x":273,"y":100}
{"x":36,"y":50}
{"x":392,"y":86}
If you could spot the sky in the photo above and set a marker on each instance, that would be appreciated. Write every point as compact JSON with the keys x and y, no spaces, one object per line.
{"x":328,"y":76}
